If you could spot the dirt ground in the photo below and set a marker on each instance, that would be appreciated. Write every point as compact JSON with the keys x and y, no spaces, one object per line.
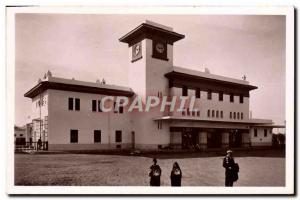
{"x":117,"y":170}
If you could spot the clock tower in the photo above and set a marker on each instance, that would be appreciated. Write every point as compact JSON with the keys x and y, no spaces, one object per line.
{"x":150,"y":58}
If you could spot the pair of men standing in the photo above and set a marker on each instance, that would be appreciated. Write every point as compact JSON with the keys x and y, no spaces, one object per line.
{"x":155,"y":173}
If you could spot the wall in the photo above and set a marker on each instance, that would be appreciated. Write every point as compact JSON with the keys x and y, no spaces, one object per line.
{"x":61,"y":120}
{"x":203,"y":104}
{"x":260,"y":140}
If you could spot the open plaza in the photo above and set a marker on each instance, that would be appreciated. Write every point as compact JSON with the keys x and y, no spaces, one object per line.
{"x":126,"y":170}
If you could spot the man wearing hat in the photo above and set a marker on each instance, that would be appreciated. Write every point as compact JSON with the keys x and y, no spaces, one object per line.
{"x":229,"y":164}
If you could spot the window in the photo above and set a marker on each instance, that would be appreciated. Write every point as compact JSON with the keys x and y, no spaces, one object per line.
{"x":97,"y":136}
{"x":77,"y":104}
{"x":209,"y":94}
{"x":115,"y":104}
{"x":238,"y":115}
{"x":212,"y":113}
{"x":230,"y":115}
{"x":121,"y":109}
{"x":198,"y":93}
{"x":231,"y":98}
{"x":255,"y":132}
{"x":217,"y":114}
{"x":94,"y":105}
{"x":118,"y":136}
{"x":242,"y":115}
{"x":265,"y":132}
{"x":198,"y":113}
{"x":183,"y":113}
{"x":220,"y":96}
{"x":184,"y":91}
{"x":241,"y":98}
{"x":70,"y":103}
{"x":221,"y":113}
{"x":159,"y":124}
{"x":188,"y":112}
{"x":99,"y":106}
{"x":208,"y":113}
{"x":74,"y":136}
{"x":21,"y":135}
{"x":234,"y":115}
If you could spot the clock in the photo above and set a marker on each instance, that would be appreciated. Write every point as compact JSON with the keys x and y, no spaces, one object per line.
{"x":160,"y":48}
{"x":137,"y":49}
{"x":136,"y":52}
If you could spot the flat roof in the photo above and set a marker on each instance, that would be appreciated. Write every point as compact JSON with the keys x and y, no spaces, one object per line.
{"x":179,"y":73}
{"x":151,"y":30}
{"x":195,"y":119}
{"x":209,"y":75}
{"x":73,"y":85}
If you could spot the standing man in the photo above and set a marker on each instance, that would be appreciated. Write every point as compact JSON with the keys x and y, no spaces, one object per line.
{"x":229,"y":165}
{"x":155,"y":173}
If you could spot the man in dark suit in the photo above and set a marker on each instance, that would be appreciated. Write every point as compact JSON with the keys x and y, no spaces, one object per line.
{"x":229,"y":165}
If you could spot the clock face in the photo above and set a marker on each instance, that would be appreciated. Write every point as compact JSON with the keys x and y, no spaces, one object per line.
{"x":136,"y":52}
{"x":160,"y":48}
{"x":137,"y":49}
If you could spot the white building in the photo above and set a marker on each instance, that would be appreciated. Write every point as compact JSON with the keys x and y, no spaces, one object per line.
{"x":66,"y":112}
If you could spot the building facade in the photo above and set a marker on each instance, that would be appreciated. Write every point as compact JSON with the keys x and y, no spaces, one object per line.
{"x":67,"y":113}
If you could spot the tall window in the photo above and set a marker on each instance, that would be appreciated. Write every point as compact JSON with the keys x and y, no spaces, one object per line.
{"x":238,"y":115}
{"x":115,"y":105}
{"x":77,"y":104}
{"x":184,"y":91}
{"x":99,"y":106}
{"x":94,"y":105}
{"x":230,"y":115}
{"x":221,"y":113}
{"x":208,"y":113}
{"x":212,"y":113}
{"x":73,"y":136}
{"x":265,"y":132}
{"x":255,"y":132}
{"x":231,"y":98}
{"x":241,"y":98}
{"x":234,"y":115}
{"x":198,"y":113}
{"x":209,"y":94}
{"x":118,"y":136}
{"x":242,"y":115}
{"x":198,"y":93}
{"x":217,"y":114}
{"x":97,"y":136}
{"x":71,"y":104}
{"x":220,"y":96}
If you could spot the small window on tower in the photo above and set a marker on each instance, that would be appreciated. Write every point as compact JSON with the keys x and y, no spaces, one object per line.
{"x":198,"y":93}
{"x":231,"y":98}
{"x":184,"y":91}
{"x":209,"y":94}
{"x":220,"y":96}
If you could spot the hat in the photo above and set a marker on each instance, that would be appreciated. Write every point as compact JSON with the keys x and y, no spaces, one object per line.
{"x":229,"y":151}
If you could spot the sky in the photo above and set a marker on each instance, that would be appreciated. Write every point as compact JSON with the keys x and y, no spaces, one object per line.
{"x":86,"y":47}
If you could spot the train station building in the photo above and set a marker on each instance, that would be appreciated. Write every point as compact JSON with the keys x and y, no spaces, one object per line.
{"x":67,"y":113}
